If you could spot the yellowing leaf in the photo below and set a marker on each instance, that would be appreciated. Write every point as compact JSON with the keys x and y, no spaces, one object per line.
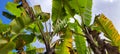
{"x":109,"y":30}
{"x":66,"y":45}
{"x":80,"y":42}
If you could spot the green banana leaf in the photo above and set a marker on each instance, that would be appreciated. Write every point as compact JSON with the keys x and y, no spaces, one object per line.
{"x":22,"y":18}
{"x":58,"y":11}
{"x":19,"y":23}
{"x":12,"y":8}
{"x":80,"y":42}
{"x":83,"y":8}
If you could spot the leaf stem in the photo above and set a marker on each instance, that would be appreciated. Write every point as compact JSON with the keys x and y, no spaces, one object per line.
{"x":44,"y":39}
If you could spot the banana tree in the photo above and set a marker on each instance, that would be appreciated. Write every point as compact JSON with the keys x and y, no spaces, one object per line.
{"x":29,"y":24}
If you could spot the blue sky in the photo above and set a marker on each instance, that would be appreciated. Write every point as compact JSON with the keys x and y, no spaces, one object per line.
{"x":2,"y":8}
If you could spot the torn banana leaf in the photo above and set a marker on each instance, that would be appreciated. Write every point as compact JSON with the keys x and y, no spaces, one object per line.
{"x":107,"y":27}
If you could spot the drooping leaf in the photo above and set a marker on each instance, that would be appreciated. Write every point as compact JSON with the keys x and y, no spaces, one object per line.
{"x":7,"y":47}
{"x":66,"y":45}
{"x":83,"y":8}
{"x":12,"y":8}
{"x":108,"y":28}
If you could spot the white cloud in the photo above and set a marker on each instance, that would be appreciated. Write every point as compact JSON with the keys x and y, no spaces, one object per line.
{"x":46,"y":5}
{"x":109,"y":0}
